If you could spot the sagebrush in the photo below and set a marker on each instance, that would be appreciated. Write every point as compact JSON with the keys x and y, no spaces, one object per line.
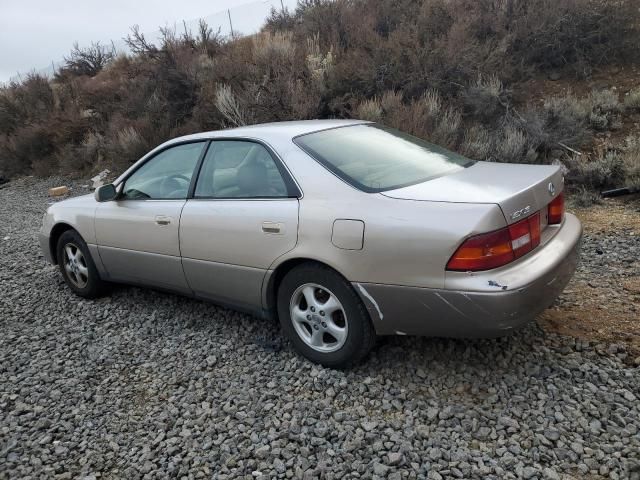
{"x":445,"y":70}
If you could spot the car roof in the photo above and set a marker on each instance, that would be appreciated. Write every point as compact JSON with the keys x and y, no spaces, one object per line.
{"x":267,"y":131}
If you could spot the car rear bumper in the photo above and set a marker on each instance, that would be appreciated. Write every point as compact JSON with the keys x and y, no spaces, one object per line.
{"x":481,"y":304}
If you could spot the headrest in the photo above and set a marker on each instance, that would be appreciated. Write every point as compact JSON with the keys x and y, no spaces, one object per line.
{"x":252,"y":177}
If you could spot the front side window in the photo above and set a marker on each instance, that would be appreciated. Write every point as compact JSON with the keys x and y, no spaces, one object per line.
{"x":166,"y":176}
{"x":373,"y":158}
{"x":239,"y":169}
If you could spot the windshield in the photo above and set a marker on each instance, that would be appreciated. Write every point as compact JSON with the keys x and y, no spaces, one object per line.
{"x":373,"y":158}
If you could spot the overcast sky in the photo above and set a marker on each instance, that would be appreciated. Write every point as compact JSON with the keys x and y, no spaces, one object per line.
{"x":33,"y":33}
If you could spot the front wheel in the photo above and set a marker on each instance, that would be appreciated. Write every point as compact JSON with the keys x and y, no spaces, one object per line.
{"x":323,"y":316}
{"x":77,"y":267}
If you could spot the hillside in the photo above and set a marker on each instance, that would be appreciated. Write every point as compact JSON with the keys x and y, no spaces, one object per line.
{"x":517,"y":80}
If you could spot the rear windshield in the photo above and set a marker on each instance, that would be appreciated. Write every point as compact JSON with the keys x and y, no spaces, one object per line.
{"x":373,"y":158}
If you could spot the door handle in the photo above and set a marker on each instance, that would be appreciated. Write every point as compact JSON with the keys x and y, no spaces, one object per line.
{"x":163,"y":220}
{"x":273,"y":228}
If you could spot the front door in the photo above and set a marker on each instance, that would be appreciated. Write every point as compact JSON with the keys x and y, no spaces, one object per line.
{"x":137,"y":235}
{"x":242,"y":217}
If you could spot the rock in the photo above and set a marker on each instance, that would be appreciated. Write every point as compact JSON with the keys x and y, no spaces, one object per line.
{"x":99,"y":179}
{"x":262,"y":452}
{"x":552,"y":434}
{"x":432,"y":413}
{"x":595,"y":426}
{"x":577,"y":447}
{"x":483,"y":433}
{"x":509,"y":422}
{"x":380,"y":469}
{"x":550,"y":474}
{"x":395,"y":458}
{"x":279,"y":466}
{"x":211,"y":360}
{"x":58,"y":191}
{"x":369,"y":426}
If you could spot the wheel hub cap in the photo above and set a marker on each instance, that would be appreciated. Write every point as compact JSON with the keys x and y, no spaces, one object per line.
{"x":318,"y":318}
{"x":75,"y":265}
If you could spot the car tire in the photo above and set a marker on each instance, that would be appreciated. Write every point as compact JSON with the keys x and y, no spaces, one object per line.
{"x":339,"y":337}
{"x":77,"y":267}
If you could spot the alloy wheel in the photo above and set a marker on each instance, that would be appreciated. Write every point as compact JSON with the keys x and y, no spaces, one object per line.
{"x":75,"y":265}
{"x":318,"y":317}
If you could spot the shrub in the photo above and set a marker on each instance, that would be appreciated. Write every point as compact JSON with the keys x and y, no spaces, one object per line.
{"x":477,"y":143}
{"x":605,"y":101}
{"x":32,"y":147}
{"x":584,"y":197}
{"x":632,"y":100}
{"x":10,"y":115}
{"x":68,"y":160}
{"x":631,"y":159}
{"x":85,"y":156}
{"x":125,"y":147}
{"x":447,"y":128}
{"x":269,"y":47}
{"x":579,"y":34}
{"x":604,"y":171}
{"x":9,"y":163}
{"x":559,"y":120}
{"x":90,"y":60}
{"x":319,"y":64}
{"x":369,"y":110}
{"x":228,"y":106}
{"x":280,"y":20}
{"x":390,"y":103}
{"x":423,"y":65}
{"x":604,"y":108}
{"x":485,"y":98}
{"x":511,"y":144}
{"x":427,"y":117}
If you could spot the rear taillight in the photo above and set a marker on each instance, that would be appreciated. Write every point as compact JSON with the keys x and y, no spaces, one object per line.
{"x":556,"y":210}
{"x":494,"y":249}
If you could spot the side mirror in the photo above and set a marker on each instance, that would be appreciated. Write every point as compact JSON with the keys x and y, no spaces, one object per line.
{"x":105,"y":193}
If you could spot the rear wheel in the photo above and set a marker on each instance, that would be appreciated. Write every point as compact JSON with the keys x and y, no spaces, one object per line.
{"x":323,"y":316}
{"x":77,"y":267}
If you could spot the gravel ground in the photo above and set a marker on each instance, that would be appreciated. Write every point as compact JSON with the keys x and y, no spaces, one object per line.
{"x":603,"y":299}
{"x":143,"y":384}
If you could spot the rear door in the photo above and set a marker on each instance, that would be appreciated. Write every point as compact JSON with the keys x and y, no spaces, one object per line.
{"x":242,"y":217}
{"x":137,"y":235}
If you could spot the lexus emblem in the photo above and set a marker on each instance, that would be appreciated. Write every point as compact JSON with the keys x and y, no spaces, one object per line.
{"x":552,"y":189}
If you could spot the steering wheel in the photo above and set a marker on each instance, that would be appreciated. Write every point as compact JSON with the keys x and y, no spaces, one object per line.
{"x":173,"y":185}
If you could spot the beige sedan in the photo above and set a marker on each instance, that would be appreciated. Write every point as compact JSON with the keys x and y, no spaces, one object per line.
{"x":343,"y":229}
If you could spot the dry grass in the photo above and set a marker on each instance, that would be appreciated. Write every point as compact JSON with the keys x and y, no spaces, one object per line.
{"x":632,"y":100}
{"x":370,"y":110}
{"x":228,"y":105}
{"x":477,"y":143}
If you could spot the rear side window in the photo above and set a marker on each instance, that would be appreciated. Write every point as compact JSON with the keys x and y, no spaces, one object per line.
{"x":240,"y":169}
{"x":373,"y":158}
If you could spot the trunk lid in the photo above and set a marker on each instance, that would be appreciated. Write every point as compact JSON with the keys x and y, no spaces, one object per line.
{"x":519,"y":189}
